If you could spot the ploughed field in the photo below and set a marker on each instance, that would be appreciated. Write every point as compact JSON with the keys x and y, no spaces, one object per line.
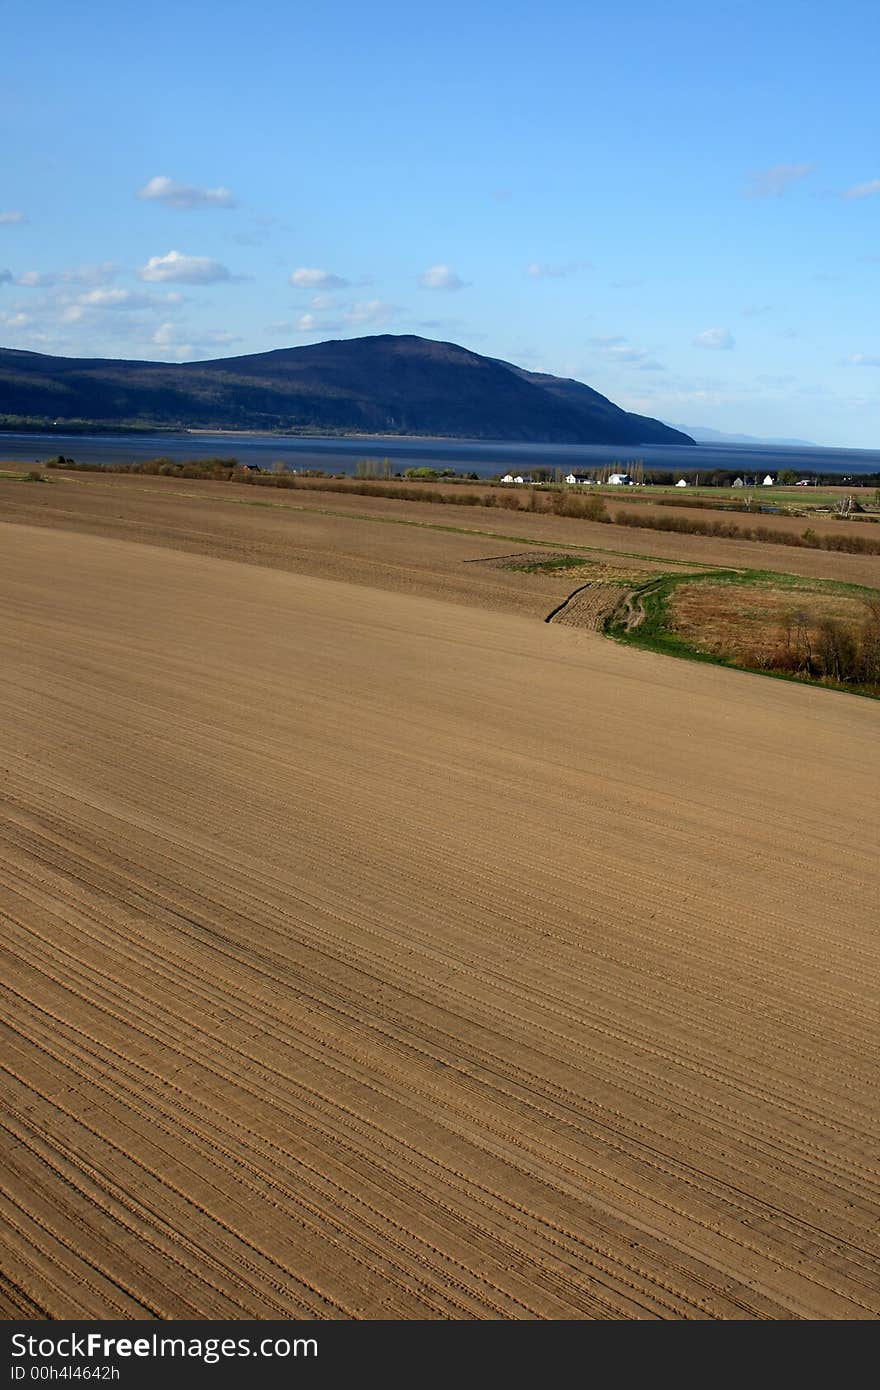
{"x":375,"y":949}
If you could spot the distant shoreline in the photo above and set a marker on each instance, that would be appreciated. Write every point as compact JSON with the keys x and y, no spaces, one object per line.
{"x":339,"y":453}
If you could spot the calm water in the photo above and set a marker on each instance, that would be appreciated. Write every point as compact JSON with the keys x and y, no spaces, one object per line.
{"x":341,"y":455}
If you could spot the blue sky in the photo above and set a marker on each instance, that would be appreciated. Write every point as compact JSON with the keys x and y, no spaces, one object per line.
{"x":678,"y":204}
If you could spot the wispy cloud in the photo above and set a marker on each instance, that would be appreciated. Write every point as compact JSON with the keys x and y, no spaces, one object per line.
{"x":361,"y":314}
{"x":372,"y":311}
{"x":716,"y":339}
{"x":538,"y":270}
{"x":440,"y":277}
{"x":100,"y":274}
{"x":774,"y":380}
{"x":311,"y":278}
{"x":863,"y":359}
{"x":617,"y":350}
{"x":12,"y":219}
{"x":115,"y":299}
{"x":753,"y":311}
{"x":863,"y":190}
{"x":185,"y":196}
{"x":446,"y":325}
{"x":185,"y":270}
{"x":773,"y":182}
{"x":178,"y":342}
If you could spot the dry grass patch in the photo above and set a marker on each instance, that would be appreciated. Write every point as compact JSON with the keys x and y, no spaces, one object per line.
{"x":748,"y":624}
{"x":815,"y":630}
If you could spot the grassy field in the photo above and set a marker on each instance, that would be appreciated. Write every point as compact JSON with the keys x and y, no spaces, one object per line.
{"x":800,"y":497}
{"x":819,"y":631}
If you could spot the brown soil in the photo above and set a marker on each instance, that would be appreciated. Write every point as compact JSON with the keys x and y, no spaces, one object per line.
{"x":590,"y":606}
{"x":368,"y":955}
{"x":264,"y":526}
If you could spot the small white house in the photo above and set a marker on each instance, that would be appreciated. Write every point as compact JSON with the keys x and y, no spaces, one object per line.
{"x":737,"y":482}
{"x":768,"y":481}
{"x":619,"y":479}
{"x":570,"y":478}
{"x":513,"y":478}
{"x":682,"y":482}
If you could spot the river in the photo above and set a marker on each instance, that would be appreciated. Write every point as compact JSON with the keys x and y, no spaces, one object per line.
{"x":339,"y":455}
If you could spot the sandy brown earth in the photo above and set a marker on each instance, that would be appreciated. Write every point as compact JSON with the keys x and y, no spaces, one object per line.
{"x":385,"y":543}
{"x":372,"y":954}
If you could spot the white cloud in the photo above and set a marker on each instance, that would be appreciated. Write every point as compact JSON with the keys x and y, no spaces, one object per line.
{"x":717,"y":339}
{"x":185,"y":196}
{"x":863,"y":190}
{"x":440,"y":277}
{"x":15,"y":320}
{"x":772,"y":183}
{"x":11,"y":219}
{"x":307,"y":323}
{"x":863,"y":359}
{"x":310,"y":278}
{"x":185,"y":270}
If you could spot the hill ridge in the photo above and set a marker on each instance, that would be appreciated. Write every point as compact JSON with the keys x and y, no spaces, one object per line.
{"x":383,"y":383}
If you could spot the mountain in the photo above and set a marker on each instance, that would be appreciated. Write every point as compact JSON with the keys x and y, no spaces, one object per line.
{"x":703,"y":435}
{"x":386,"y":384}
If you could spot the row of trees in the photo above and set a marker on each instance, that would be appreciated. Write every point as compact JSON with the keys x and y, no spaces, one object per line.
{"x":848,"y":652}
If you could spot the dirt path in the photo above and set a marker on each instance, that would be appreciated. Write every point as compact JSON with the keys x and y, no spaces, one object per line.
{"x":371,"y":956}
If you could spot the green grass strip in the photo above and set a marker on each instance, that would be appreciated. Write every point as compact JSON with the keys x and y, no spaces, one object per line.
{"x":654,"y":634}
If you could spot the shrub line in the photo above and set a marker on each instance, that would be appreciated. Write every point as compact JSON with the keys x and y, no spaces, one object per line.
{"x":551,"y":501}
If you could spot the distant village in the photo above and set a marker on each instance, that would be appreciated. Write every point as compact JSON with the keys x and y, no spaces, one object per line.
{"x":628,"y":480}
